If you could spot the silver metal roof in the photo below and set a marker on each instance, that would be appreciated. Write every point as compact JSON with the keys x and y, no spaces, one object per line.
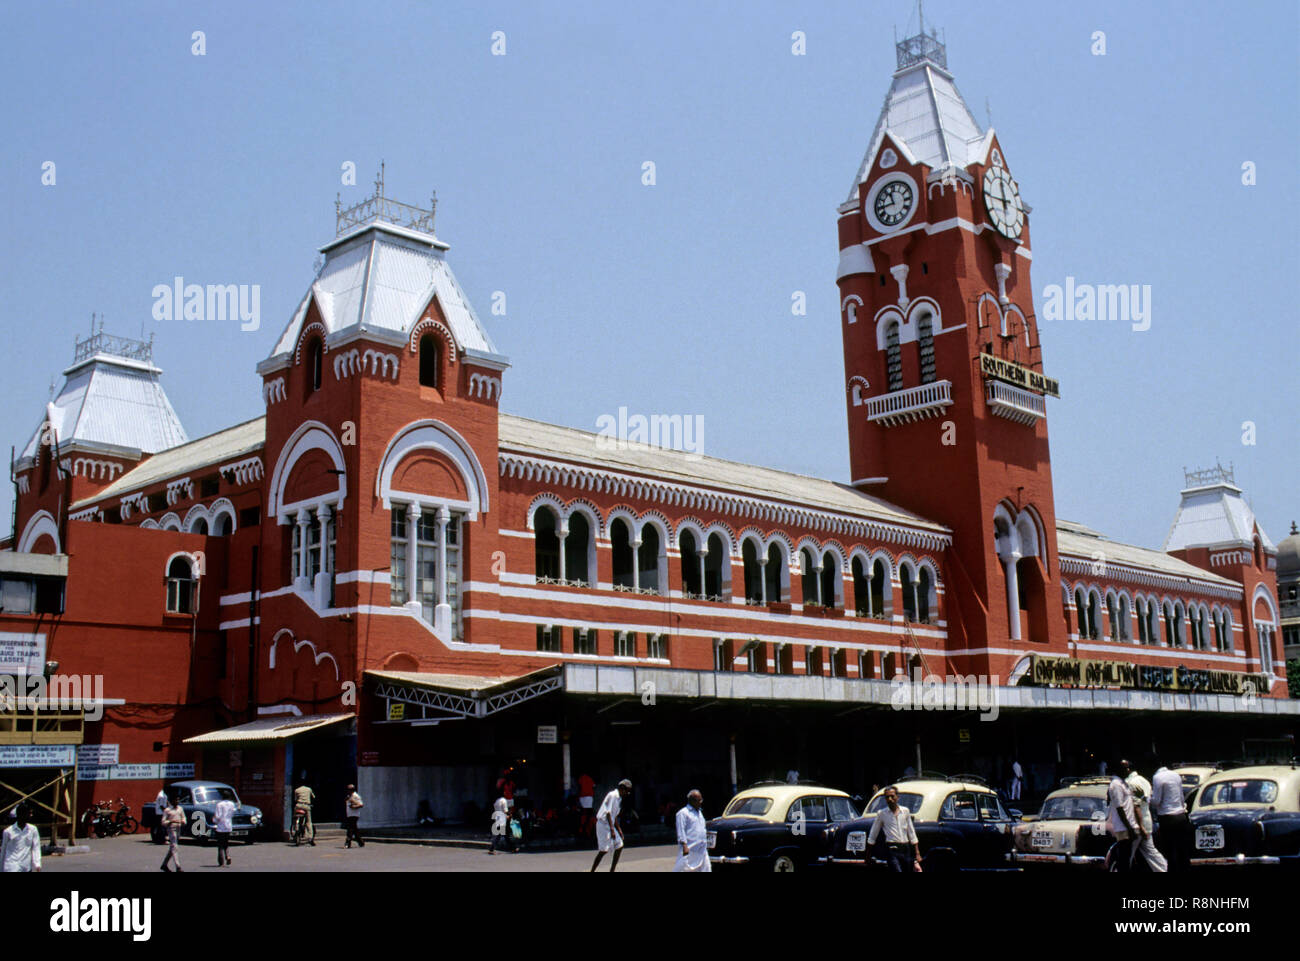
{"x":113,"y":400}
{"x":924,"y":111}
{"x":1075,"y":540}
{"x":380,"y":278}
{"x":1215,"y":515}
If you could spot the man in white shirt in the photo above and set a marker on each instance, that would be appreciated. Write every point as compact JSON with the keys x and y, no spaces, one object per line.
{"x":609,"y":837}
{"x":1171,"y":811}
{"x":159,"y":806}
{"x":500,"y":824}
{"x":895,"y":821}
{"x":1017,"y":779}
{"x":692,"y":836}
{"x":792,"y":776}
{"x":1141,"y":790}
{"x":20,"y":844}
{"x":223,"y":822}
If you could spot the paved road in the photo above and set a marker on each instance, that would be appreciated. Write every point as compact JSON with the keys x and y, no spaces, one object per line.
{"x":138,"y":853}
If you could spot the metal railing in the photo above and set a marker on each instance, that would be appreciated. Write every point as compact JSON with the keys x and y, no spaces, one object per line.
{"x":378,"y":207}
{"x":102,"y":343}
{"x":1015,"y":403}
{"x":914,"y":403}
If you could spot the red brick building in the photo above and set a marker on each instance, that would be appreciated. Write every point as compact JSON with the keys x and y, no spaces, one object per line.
{"x":386,"y":578}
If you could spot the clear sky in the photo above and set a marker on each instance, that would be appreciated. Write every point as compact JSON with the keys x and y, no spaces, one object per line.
{"x":672,"y":298}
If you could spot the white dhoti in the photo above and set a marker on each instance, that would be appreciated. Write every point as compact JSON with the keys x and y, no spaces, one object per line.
{"x":696,"y":858}
{"x":607,"y":840}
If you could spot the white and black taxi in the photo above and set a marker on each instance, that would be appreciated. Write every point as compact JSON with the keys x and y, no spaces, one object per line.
{"x":774,"y":826}
{"x":1248,"y":815}
{"x":1071,"y":827}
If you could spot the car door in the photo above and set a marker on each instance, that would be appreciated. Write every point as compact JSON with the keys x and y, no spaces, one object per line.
{"x":959,"y":823}
{"x":808,"y":822}
{"x":185,"y":798}
{"x":995,"y":839}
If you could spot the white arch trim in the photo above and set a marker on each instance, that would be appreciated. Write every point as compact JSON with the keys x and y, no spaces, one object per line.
{"x":432,"y":435}
{"x":1262,"y":592}
{"x":40,"y":524}
{"x":298,"y":645}
{"x":195,"y":570}
{"x":195,"y":514}
{"x":310,"y":435}
{"x":170,"y":521}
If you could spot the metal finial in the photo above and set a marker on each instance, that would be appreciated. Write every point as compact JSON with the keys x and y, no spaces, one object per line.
{"x":338,"y":203}
{"x":379,"y":183}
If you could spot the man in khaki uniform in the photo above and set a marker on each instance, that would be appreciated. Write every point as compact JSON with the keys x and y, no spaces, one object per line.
{"x":303,"y":798}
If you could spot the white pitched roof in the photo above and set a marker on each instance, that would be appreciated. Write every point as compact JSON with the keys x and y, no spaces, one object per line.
{"x":1082,"y":542}
{"x":581,"y":447}
{"x":115,"y":401}
{"x":381,"y":278}
{"x":924,"y":111}
{"x":1215,"y":515}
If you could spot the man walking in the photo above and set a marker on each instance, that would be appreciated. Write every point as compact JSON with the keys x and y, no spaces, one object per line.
{"x":1141,"y":789}
{"x":173,"y":821}
{"x":692,"y":837}
{"x":223,"y":817}
{"x":1017,"y":781}
{"x":500,"y":824}
{"x":609,"y":836}
{"x":303,"y":798}
{"x":158,"y":832}
{"x":895,"y":822}
{"x":20,"y":844}
{"x":353,"y":804}
{"x":1175,"y":829}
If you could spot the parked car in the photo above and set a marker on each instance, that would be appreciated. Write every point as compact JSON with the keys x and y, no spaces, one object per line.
{"x":1071,"y":827}
{"x":1193,"y":773}
{"x":198,"y":799}
{"x":960,"y":823}
{"x":1248,"y":815}
{"x":773,"y":826}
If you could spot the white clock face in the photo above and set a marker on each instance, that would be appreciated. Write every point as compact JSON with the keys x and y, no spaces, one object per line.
{"x":1002,"y":200}
{"x":892,"y":203}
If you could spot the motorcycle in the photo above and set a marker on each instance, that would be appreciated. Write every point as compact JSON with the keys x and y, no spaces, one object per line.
{"x":100,"y":820}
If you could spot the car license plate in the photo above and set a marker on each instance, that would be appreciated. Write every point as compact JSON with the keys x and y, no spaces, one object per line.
{"x":1209,"y":837}
{"x":713,"y":840}
{"x":238,"y":831}
{"x":1042,"y":839}
{"x":856,"y":842}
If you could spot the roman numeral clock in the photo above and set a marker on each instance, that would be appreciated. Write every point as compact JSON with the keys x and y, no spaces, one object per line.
{"x":1002,"y":201}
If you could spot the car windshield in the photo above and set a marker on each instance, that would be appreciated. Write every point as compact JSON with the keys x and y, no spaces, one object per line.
{"x":910,"y":801}
{"x":751,"y":806}
{"x":1067,"y":808}
{"x":1249,"y":791}
{"x":210,"y":795}
{"x":1191,"y":780}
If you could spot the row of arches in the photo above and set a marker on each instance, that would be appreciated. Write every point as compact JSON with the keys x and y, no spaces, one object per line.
{"x":1170,"y":622}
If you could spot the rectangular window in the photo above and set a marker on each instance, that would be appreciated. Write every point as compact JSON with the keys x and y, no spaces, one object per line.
{"x":296,"y":550}
{"x":426,"y":563}
{"x":209,"y":485}
{"x":397,"y":557}
{"x":17,"y":596}
{"x":584,"y":641}
{"x":625,"y":644}
{"x":330,"y":541}
{"x":722,"y":659}
{"x":313,"y":545}
{"x":453,"y":572}
{"x":657,"y":646}
{"x":548,"y":638}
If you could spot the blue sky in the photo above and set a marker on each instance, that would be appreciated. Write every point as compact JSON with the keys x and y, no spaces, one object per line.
{"x":673,"y":298}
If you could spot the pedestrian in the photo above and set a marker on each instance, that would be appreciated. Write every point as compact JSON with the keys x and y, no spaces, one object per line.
{"x":173,"y":821}
{"x":1171,"y":810}
{"x":692,"y":836}
{"x":20,"y":844}
{"x":1141,"y":789}
{"x":354,"y":804}
{"x":1017,"y":780}
{"x":609,"y":836}
{"x":157,"y":832}
{"x":500,"y":824}
{"x":901,"y":842}
{"x":303,"y":798}
{"x":223,"y":818}
{"x":792,"y":776}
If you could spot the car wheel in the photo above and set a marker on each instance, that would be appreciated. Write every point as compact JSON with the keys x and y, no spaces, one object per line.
{"x":783,"y":864}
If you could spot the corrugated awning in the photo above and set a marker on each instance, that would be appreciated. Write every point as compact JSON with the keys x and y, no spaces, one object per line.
{"x":459,"y":695}
{"x":269,"y":729}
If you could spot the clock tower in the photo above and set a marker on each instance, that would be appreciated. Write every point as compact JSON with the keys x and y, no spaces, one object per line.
{"x":944,"y":382}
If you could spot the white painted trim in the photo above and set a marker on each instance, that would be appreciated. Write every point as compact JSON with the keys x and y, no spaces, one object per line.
{"x":39,"y":524}
{"x":436,"y":436}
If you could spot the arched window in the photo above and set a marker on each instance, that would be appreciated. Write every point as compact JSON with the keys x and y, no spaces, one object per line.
{"x":182,"y":587}
{"x":223,"y":525}
{"x":717,"y":565}
{"x":811,"y":583}
{"x":754,"y":593}
{"x":1112,"y":612}
{"x":1153,"y":621}
{"x":1227,"y":630}
{"x":648,"y":559}
{"x":546,"y":545}
{"x":893,"y":357}
{"x":777,"y":574}
{"x":620,"y":538}
{"x":909,"y":593}
{"x":200,"y":527}
{"x":1125,"y":617}
{"x":925,"y":342}
{"x":429,"y":361}
{"x":1094,"y":616}
{"x":692,"y":575}
{"x":315,"y":364}
{"x":577,"y":548}
{"x":1169,"y":625}
{"x":1143,"y":636}
{"x":880,"y":590}
{"x":923,"y":588}
{"x":861,"y":589}
{"x":830,"y":580}
{"x":1081,"y":612}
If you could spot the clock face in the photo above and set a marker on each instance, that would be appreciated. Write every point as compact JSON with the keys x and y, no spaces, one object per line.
{"x":1002,"y":200}
{"x":893,"y":203}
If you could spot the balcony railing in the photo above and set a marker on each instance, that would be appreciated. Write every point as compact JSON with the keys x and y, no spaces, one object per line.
{"x":1015,"y":403}
{"x":914,"y":403}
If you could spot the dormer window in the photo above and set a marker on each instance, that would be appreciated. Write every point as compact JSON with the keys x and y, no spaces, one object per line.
{"x":315,"y":364}
{"x":429,"y":358}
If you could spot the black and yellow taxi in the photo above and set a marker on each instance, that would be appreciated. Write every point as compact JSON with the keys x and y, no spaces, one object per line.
{"x":1070,"y":828}
{"x":774,"y":826}
{"x":1247,"y":815}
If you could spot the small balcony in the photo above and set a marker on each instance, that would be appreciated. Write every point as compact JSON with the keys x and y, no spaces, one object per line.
{"x":914,"y":403}
{"x":1015,"y":403}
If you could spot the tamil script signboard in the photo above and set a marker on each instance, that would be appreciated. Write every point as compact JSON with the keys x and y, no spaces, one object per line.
{"x":1076,"y":672}
{"x":22,"y":653}
{"x":96,"y":755}
{"x":38,"y":755}
{"x":133,"y":772}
